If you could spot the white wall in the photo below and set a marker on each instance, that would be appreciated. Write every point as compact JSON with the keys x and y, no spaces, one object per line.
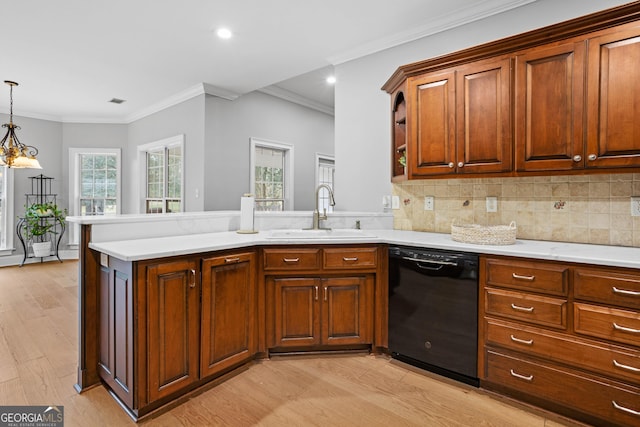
{"x":230,"y":125}
{"x":363,"y":134}
{"x":186,"y":118}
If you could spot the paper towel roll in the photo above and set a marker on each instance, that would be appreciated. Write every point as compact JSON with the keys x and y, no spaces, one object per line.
{"x":247,"y":204}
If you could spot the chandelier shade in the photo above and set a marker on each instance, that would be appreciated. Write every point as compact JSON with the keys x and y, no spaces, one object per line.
{"x":13,"y":153}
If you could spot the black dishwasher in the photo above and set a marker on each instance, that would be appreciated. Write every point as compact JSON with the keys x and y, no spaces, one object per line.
{"x":433,"y":311}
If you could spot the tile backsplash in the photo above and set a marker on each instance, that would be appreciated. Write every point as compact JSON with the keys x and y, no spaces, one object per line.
{"x":569,"y":208}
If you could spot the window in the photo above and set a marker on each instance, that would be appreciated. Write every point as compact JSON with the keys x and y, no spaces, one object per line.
{"x":325,"y":172}
{"x":271,"y":177}
{"x":94,"y":184}
{"x":6,"y":210}
{"x":161,"y":163}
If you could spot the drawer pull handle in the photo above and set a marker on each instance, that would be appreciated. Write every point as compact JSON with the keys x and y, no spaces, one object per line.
{"x":627,"y":367}
{"x":520,"y":277}
{"x":290,"y":259}
{"x":521,"y":341}
{"x":623,"y":409}
{"x":352,"y":259}
{"x":193,"y":274}
{"x":316,"y":289}
{"x":625,"y":329}
{"x":522,"y":377}
{"x":518,"y":308}
{"x":626,"y":292}
{"x":229,"y":260}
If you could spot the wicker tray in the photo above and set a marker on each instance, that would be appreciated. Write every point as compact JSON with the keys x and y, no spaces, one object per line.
{"x":484,"y":235}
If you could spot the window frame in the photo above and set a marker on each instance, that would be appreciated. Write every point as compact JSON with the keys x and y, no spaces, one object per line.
{"x":6,"y":237}
{"x":288,"y":168}
{"x":162,"y":144}
{"x":75,"y":184}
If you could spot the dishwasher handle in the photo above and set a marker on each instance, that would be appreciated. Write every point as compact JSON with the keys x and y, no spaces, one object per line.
{"x":429,"y":261}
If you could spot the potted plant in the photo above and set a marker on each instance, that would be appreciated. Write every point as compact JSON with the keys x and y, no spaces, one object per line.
{"x":41,"y":220}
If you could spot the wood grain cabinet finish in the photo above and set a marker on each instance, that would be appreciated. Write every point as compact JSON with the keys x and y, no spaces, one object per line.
{"x":613,"y":92}
{"x":568,"y":104}
{"x":582,"y":360}
{"x":228,"y":325}
{"x":549,"y":100}
{"x":332,"y":305}
{"x":173,"y":327}
{"x":459,"y":120}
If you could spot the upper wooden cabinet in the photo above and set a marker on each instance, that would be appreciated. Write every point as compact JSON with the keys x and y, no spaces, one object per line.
{"x":564,"y":98}
{"x":459,"y":120}
{"x":549,"y":99}
{"x":613,"y":94}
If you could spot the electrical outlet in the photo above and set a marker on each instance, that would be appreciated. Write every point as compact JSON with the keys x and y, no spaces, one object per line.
{"x":429,"y":203}
{"x":635,"y":206}
{"x":492,"y":204}
{"x":395,"y":202}
{"x":386,"y":202}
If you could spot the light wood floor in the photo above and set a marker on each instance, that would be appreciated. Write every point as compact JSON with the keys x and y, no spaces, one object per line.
{"x":38,"y":359}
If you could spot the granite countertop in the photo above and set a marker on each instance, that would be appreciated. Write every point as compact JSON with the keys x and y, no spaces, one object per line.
{"x":160,"y":247}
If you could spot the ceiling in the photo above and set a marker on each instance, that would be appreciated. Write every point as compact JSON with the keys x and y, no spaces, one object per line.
{"x":70,"y":57}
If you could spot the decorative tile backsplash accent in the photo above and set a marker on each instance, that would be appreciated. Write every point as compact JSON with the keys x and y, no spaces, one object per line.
{"x":583,"y":209}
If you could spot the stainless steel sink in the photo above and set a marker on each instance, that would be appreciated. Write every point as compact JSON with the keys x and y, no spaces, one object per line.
{"x":333,"y":234}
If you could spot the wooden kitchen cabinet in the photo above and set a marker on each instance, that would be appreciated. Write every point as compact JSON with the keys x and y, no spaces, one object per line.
{"x":459,"y":120}
{"x":324,"y":306}
{"x":173,"y":326}
{"x":228,"y":325}
{"x":169,"y":325}
{"x":568,"y":105}
{"x":549,"y":100}
{"x":613,"y":95}
{"x":399,"y":135}
{"x":561,"y":335}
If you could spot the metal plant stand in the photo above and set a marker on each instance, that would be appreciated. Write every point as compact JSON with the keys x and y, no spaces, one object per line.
{"x":40,"y":194}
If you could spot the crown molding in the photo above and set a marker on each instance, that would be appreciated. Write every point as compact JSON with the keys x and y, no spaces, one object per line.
{"x":476,"y":11}
{"x":278,"y":92}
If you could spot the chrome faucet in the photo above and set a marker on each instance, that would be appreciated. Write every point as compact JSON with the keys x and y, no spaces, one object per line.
{"x":316,"y":213}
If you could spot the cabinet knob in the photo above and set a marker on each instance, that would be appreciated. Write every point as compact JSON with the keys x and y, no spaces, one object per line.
{"x":577,"y":158}
{"x":592,"y":157}
{"x":451,"y":165}
{"x":460,"y":164}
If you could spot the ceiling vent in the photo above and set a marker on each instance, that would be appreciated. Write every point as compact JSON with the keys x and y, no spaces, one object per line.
{"x":116,"y":100}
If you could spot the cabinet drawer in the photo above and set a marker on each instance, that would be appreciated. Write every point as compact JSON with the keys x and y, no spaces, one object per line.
{"x":536,"y":309}
{"x":599,"y":357}
{"x":348,"y":258}
{"x":607,"y":286}
{"x":535,"y":276}
{"x":608,"y":323}
{"x":291,"y":259}
{"x":607,"y":400}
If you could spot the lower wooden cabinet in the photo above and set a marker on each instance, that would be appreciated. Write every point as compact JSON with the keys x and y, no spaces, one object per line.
{"x":569,"y":342}
{"x":168,"y":326}
{"x":321,"y":311}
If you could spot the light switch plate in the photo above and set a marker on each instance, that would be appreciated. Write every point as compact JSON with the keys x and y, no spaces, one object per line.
{"x":492,"y":204}
{"x":395,"y":202}
{"x":635,"y":206}
{"x":429,"y":203}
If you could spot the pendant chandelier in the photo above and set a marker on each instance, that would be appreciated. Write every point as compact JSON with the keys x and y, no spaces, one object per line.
{"x":13,"y":153}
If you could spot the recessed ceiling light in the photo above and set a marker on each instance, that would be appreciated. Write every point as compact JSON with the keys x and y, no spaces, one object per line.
{"x":224,"y":33}
{"x":331,"y":80}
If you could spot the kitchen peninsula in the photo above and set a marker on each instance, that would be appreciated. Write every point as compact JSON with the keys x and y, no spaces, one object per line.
{"x":127,"y":261}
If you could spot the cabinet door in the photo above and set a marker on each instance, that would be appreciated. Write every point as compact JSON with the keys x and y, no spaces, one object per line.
{"x":549,"y":108}
{"x":347,"y":316}
{"x":115,"y":364}
{"x":484,"y":117}
{"x":613,"y":130}
{"x":431,"y":124}
{"x":228,"y":312}
{"x":296,"y":311}
{"x":173,"y":321}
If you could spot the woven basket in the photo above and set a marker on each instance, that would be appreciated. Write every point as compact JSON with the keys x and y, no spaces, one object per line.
{"x":484,"y":235}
